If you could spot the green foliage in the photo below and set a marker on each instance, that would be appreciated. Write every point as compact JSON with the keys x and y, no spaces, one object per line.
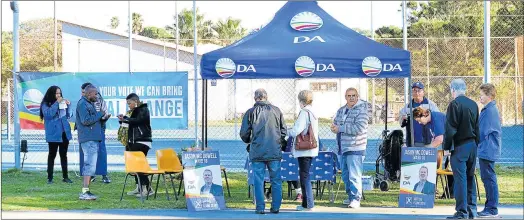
{"x":156,"y":33}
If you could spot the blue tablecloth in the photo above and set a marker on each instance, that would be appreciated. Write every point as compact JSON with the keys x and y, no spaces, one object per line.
{"x":323,"y":168}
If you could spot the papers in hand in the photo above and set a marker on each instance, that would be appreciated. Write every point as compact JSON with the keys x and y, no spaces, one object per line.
{"x":125,"y":125}
{"x":62,"y":105}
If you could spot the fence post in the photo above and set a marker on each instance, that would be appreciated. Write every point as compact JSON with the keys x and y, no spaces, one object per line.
{"x":516,"y":84}
{"x":487,"y":42}
{"x":16,"y":70}
{"x":427,"y":68}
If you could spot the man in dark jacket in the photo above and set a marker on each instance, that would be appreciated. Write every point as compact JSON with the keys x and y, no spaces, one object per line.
{"x":139,"y":137}
{"x":264,"y":128}
{"x":462,"y":138}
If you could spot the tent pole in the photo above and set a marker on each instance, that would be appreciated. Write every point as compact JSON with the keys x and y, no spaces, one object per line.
{"x":203,"y":112}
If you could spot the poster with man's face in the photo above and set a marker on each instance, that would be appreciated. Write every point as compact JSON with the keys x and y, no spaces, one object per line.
{"x":203,"y":181}
{"x":418,"y":177}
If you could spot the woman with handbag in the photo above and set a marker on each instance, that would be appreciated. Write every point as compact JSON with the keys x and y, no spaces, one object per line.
{"x":305,"y":147}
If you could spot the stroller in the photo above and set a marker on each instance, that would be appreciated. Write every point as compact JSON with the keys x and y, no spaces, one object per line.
{"x":390,"y":158}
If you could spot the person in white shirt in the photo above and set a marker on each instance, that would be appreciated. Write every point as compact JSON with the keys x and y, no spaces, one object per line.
{"x":305,"y":118}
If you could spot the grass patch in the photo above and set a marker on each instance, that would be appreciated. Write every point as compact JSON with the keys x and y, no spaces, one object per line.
{"x":23,"y":190}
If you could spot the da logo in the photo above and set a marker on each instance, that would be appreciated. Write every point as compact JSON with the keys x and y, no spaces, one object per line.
{"x":371,"y":66}
{"x":305,"y":66}
{"x":306,"y":21}
{"x":32,"y":99}
{"x":225,"y":67}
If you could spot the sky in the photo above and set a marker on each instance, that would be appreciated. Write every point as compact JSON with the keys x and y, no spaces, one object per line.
{"x":354,"y":14}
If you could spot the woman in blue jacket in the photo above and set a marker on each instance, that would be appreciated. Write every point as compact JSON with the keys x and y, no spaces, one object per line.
{"x":488,"y":150}
{"x":54,"y":111}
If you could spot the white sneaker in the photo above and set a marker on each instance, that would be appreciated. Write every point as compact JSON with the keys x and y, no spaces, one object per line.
{"x":346,"y":202}
{"x":354,"y":204}
{"x":134,"y":192}
{"x":300,"y":208}
{"x":146,"y":192}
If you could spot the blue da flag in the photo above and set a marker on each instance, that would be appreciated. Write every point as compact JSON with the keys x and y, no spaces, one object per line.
{"x":203,"y":181}
{"x":418,"y":177}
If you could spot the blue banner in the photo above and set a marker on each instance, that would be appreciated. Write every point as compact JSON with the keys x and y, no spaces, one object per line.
{"x":164,"y":92}
{"x":418,"y":177}
{"x":203,"y":181}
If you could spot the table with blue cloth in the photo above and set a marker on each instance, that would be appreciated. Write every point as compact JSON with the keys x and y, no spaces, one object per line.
{"x":323,"y":169}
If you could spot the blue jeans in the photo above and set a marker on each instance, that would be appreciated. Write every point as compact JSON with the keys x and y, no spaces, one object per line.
{"x":90,"y":154}
{"x":352,"y":166}
{"x":489,"y":178}
{"x":259,"y":171}
{"x":101,"y":162}
{"x":463,"y":161}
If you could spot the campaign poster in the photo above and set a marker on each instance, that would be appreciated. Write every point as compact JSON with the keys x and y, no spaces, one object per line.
{"x":418,"y":177}
{"x":166,"y":95}
{"x":203,"y":181}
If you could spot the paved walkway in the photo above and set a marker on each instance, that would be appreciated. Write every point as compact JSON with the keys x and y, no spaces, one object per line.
{"x":440,"y":212}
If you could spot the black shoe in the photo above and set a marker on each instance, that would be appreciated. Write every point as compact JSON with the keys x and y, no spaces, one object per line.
{"x":274,"y":211}
{"x":260,"y":212}
{"x":106,"y":179}
{"x":93,"y":179}
{"x":457,"y":216}
{"x":49,"y":181}
{"x":67,"y":180}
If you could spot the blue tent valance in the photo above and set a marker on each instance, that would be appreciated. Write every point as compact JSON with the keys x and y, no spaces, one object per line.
{"x":303,"y":41}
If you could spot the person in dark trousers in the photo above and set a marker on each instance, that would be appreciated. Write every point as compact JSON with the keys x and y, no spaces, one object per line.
{"x":489,"y":149}
{"x":139,"y":137}
{"x":306,"y":118}
{"x":101,"y":162}
{"x":462,"y":138}
{"x":54,"y":111}
{"x":264,"y":128}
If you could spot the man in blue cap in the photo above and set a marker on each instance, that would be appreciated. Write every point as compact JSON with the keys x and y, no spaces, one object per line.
{"x":422,"y":135}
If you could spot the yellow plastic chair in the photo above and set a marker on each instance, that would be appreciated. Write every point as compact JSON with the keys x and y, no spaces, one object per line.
{"x":136,"y":163}
{"x":167,"y":161}
{"x":444,"y":172}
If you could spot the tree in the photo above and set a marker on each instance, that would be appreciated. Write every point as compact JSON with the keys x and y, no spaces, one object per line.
{"x":156,"y":33}
{"x":114,"y":22}
{"x":366,"y":33}
{"x":185,"y":27}
{"x":138,"y":23}
{"x":7,"y":56}
{"x":389,"y":32}
{"x":229,"y":31}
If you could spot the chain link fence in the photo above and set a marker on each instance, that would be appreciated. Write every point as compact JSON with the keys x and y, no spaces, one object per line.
{"x":455,"y":49}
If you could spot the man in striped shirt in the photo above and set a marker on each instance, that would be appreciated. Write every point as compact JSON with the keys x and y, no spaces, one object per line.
{"x":351,"y":126}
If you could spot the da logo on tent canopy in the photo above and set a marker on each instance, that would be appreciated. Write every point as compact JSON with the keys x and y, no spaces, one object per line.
{"x":225,"y":67}
{"x":32,"y":99}
{"x":305,"y":66}
{"x":371,"y":66}
{"x":306,"y":21}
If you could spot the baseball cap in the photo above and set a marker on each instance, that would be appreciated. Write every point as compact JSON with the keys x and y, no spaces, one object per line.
{"x":418,"y":85}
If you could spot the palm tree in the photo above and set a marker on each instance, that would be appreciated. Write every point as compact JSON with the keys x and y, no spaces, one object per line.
{"x":138,"y":23}
{"x":185,"y":27}
{"x":229,"y":31}
{"x":114,"y":22}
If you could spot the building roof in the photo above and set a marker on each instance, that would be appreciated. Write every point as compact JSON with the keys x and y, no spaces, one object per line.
{"x":201,"y":48}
